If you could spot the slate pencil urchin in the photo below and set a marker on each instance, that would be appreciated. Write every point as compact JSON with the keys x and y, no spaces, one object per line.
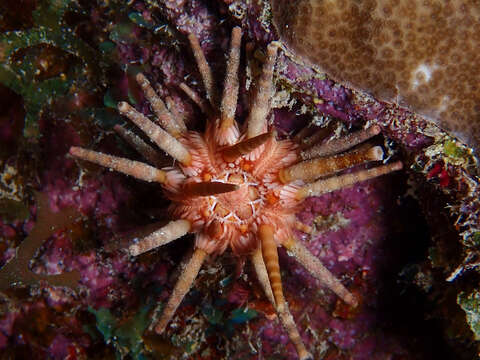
{"x":237,"y":188}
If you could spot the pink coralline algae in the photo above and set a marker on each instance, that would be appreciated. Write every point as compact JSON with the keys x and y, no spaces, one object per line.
{"x":340,"y":102}
{"x":353,"y":244}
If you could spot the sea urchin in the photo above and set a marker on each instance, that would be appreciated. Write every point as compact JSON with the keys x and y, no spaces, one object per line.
{"x":237,"y":189}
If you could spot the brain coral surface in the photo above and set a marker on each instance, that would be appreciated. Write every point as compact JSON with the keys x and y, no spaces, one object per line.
{"x":420,"y":54}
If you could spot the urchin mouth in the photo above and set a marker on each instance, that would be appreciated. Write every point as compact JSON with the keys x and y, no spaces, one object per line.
{"x":239,"y":206}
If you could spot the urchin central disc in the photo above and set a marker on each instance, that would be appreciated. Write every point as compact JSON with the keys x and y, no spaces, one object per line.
{"x":240,"y":205}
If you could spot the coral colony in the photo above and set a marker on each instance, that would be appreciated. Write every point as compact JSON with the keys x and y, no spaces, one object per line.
{"x":421,"y":54}
{"x":237,"y":187}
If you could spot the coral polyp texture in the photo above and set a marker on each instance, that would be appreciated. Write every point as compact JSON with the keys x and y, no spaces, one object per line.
{"x":422,"y":54}
{"x":236,"y":186}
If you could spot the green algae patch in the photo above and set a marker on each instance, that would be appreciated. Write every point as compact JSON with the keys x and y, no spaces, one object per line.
{"x":45,"y":62}
{"x":223,"y":320}
{"x":124,"y":334}
{"x":471,"y":305}
{"x":240,"y":316}
{"x":475,"y":239}
{"x":451,"y":149}
{"x":139,"y":20}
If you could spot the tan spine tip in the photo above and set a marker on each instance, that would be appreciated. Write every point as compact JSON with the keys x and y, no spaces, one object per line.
{"x":123,"y":106}
{"x":272,"y":48}
{"x":140,"y":78}
{"x":350,"y":299}
{"x":134,"y":250}
{"x":236,"y":31}
{"x":183,"y":285}
{"x":376,"y":153}
{"x":74,"y":151}
{"x":398,"y":165}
